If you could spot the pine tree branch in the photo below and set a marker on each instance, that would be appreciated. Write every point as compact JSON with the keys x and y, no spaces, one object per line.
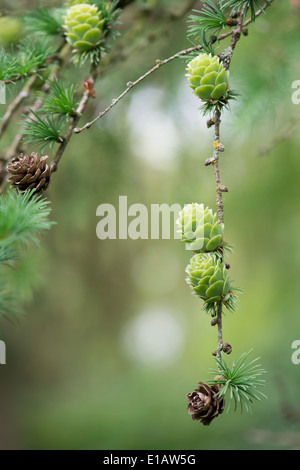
{"x":215,"y":161}
{"x":130,"y":44}
{"x":60,"y":57}
{"x":88,"y":93}
{"x":235,"y":37}
{"x":220,"y":329}
{"x":23,"y":218}
{"x":16,"y":103}
{"x":236,"y":34}
{"x":25,"y":92}
{"x":15,"y":147}
{"x":220,"y":188}
{"x":130,"y":85}
{"x":220,"y":209}
{"x":85,"y":98}
{"x":41,"y":69}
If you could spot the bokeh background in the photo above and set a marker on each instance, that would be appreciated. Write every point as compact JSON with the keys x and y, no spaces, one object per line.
{"x":112,"y":339}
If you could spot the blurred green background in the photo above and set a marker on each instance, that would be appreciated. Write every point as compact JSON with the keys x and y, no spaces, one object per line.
{"x":112,"y":340}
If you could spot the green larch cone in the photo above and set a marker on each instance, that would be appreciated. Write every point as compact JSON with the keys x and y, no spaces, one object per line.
{"x":208,"y":277}
{"x":84,"y":26}
{"x":200,"y":227}
{"x":207,"y":77}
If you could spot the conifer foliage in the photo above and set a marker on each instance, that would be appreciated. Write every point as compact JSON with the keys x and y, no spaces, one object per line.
{"x":207,"y":272}
{"x":80,"y":33}
{"x":76,"y":32}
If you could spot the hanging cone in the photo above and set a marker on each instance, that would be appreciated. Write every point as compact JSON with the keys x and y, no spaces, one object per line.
{"x":208,"y":277}
{"x":28,"y":172}
{"x":207,"y":77}
{"x":201,"y":228}
{"x":203,"y":404}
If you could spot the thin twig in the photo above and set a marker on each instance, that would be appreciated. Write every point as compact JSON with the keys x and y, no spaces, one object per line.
{"x":61,"y":56}
{"x":236,"y":35}
{"x":160,"y":63}
{"x":130,"y":85}
{"x":88,"y":93}
{"x":129,"y":45}
{"x":220,"y":330}
{"x":94,"y":75}
{"x":14,"y":148}
{"x":16,"y":103}
{"x":220,"y":209}
{"x":215,"y":161}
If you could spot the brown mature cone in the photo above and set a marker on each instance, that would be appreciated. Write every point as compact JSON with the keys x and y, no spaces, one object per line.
{"x":203,"y":404}
{"x":28,"y":172}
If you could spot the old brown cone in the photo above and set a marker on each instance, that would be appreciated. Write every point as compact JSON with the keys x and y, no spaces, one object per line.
{"x":29,"y":172}
{"x":203,"y":404}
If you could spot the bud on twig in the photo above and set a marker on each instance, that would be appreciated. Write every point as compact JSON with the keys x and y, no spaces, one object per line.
{"x":231,"y":22}
{"x":208,"y":162}
{"x":89,"y":88}
{"x":210,"y":123}
{"x":227,"y":348}
{"x":223,"y":188}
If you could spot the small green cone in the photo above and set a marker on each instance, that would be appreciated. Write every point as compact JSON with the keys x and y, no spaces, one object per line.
{"x":84,"y":26}
{"x":208,"y":277}
{"x":208,"y":78}
{"x":201,"y":228}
